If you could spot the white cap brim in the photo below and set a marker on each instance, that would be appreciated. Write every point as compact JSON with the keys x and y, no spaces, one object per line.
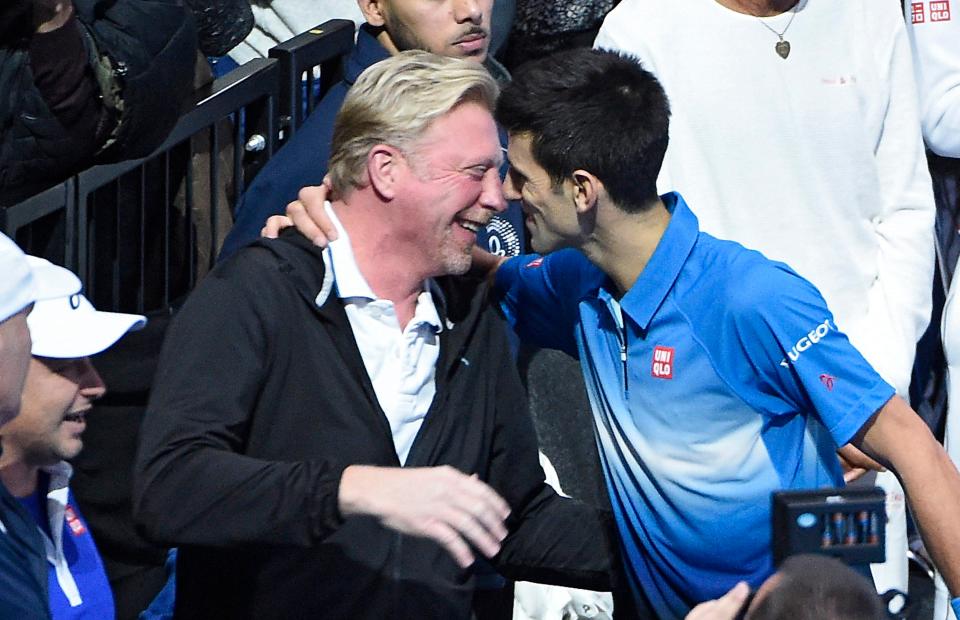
{"x":70,"y":327}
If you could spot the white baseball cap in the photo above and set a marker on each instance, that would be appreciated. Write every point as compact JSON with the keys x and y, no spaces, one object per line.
{"x":68,"y":326}
{"x":22,"y":281}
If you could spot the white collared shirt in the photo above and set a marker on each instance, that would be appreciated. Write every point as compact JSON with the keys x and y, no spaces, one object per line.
{"x":401,"y":364}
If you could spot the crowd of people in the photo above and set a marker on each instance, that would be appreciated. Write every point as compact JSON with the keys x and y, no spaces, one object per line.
{"x":722,"y":209}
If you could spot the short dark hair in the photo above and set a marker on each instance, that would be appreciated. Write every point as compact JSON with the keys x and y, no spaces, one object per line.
{"x":594,"y":110}
{"x":817,"y":587}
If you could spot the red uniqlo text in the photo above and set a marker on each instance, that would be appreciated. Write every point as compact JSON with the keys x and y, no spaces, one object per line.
{"x":940,"y":11}
{"x":662,"y":362}
{"x":916,"y":12}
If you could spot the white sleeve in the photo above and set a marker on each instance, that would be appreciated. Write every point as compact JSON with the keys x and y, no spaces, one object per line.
{"x":899,"y":302}
{"x":935,"y":39}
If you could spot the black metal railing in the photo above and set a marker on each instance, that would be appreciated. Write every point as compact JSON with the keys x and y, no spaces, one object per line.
{"x":139,"y":233}
{"x":310,"y":63}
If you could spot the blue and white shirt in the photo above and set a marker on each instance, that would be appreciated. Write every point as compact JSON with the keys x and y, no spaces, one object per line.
{"x":717,"y":379}
{"x":78,"y":584}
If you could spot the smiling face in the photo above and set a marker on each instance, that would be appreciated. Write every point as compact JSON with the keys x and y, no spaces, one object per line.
{"x":451,"y":189}
{"x":458,"y":28}
{"x":56,"y":396}
{"x":549,"y":211}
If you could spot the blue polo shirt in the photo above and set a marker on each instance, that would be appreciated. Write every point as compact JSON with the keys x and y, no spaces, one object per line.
{"x":717,"y":379}
{"x":80,"y":558}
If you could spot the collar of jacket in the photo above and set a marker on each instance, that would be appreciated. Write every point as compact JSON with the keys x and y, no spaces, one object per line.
{"x":460,"y":308}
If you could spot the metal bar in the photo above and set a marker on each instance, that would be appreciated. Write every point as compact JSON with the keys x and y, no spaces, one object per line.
{"x":141,"y":254}
{"x":238,"y":150}
{"x":214,"y":193}
{"x":165,"y":226}
{"x":115,"y":295}
{"x":191,"y":240}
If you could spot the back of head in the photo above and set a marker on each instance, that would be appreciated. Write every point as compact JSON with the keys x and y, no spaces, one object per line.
{"x":817,"y":587}
{"x":593,"y":110}
{"x":395,"y":100}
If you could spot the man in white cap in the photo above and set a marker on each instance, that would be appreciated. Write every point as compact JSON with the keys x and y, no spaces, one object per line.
{"x":60,"y":387}
{"x":23,"y":583}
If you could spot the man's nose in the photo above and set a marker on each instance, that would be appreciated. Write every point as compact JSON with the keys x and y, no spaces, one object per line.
{"x":91,"y":384}
{"x":491,"y":196}
{"x":468,"y":11}
{"x":510,"y":191}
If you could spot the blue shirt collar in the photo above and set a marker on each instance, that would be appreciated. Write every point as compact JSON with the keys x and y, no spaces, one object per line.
{"x":647,"y":294}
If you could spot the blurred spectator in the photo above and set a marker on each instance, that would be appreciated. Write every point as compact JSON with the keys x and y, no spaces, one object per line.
{"x":934,"y":35}
{"x":795,"y":132}
{"x":805,"y":587}
{"x":935,"y":39}
{"x":23,"y":587}
{"x":80,"y":83}
{"x":276,"y":21}
{"x":221,"y":24}
{"x":541,"y":27}
{"x":60,"y":386}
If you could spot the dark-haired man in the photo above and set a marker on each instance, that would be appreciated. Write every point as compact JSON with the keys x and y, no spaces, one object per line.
{"x":715,"y":375}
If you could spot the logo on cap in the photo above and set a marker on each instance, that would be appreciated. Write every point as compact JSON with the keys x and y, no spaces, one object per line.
{"x":662,"y":362}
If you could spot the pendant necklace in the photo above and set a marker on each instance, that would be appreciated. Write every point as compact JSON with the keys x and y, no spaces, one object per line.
{"x":783,"y":46}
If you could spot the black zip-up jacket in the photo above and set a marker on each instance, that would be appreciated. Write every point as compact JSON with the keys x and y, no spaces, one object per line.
{"x":261,"y":400}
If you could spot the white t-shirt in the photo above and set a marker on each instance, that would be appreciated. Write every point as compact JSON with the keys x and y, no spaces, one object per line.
{"x":815,"y":160}
{"x":934,"y":29}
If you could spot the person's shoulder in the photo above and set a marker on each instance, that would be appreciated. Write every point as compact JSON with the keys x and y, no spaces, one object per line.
{"x":744,"y":279}
{"x":645,"y":15}
{"x":270,"y":264}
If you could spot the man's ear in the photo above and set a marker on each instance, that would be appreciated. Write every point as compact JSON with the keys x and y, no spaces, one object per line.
{"x":586,"y":190}
{"x":372,"y":11}
{"x":383,"y":168}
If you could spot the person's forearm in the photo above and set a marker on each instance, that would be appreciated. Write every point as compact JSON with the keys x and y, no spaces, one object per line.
{"x":485,"y":264}
{"x":932,"y":484}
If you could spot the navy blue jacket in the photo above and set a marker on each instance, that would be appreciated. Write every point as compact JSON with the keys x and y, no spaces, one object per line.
{"x":303,"y":161}
{"x":23,"y":565}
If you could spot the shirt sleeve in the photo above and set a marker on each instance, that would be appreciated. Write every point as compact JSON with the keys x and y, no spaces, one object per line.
{"x":934,"y":33}
{"x":799,"y":359}
{"x":540,"y":295}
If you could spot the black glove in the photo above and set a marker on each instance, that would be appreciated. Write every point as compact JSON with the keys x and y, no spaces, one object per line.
{"x":221,"y":24}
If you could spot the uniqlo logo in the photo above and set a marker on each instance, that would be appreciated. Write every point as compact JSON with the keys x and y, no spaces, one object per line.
{"x":662,"y":362}
{"x":940,"y":11}
{"x":916,"y":12}
{"x":74,"y":522}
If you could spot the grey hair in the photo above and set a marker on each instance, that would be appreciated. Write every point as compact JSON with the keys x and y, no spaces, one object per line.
{"x":394,"y":102}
